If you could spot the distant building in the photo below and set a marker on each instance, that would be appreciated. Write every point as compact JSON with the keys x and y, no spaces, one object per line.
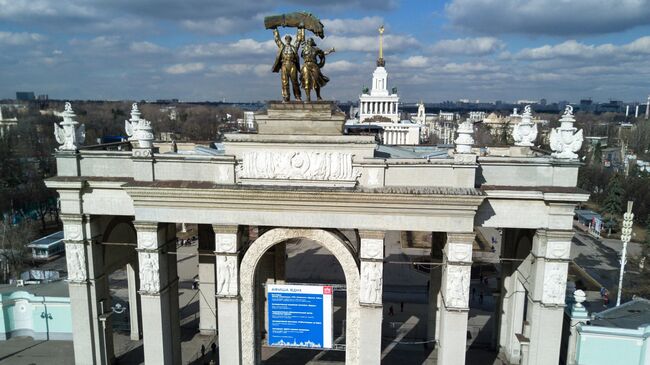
{"x":43,"y":97}
{"x":25,"y":95}
{"x":48,"y":247}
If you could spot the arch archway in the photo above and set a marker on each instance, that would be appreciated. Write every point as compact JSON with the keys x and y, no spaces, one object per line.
{"x":332,"y":243}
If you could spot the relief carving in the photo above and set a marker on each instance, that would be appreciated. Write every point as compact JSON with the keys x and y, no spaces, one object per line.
{"x":227,"y":275}
{"x":457,"y":289}
{"x":371,"y":282}
{"x":149,"y":272}
{"x":226,"y":243}
{"x":319,"y":166}
{"x":76,"y":259}
{"x":555,"y":283}
{"x":372,"y":248}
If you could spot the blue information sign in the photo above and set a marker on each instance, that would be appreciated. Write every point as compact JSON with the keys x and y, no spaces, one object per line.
{"x":300,"y":316}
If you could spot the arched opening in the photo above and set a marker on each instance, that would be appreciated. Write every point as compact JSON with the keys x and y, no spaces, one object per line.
{"x":332,"y":242}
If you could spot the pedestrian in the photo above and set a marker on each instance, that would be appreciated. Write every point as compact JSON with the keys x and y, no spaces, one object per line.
{"x":390,"y":311}
{"x":480,"y":298}
{"x":485,"y":281}
{"x":214,"y":348}
{"x":606,"y":300}
{"x":202,"y":350}
{"x":480,"y":280}
{"x":473,"y":293}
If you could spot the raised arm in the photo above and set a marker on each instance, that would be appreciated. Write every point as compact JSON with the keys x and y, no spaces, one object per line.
{"x":300,"y":35}
{"x":276,"y":36}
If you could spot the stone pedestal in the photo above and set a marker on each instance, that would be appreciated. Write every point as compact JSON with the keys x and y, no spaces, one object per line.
{"x":298,"y":118}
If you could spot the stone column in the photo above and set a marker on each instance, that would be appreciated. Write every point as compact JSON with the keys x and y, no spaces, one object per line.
{"x":547,"y":295}
{"x":207,"y":278}
{"x":371,"y":312}
{"x":228,"y":243}
{"x":457,"y":261}
{"x":159,"y":292}
{"x":88,"y":288}
{"x":134,"y":301}
{"x":432,"y":309}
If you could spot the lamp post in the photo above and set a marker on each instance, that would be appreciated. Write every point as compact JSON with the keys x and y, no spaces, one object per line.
{"x":626,"y":235}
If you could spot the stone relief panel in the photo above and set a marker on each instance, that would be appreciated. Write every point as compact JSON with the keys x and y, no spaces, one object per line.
{"x":75,"y":256}
{"x":149,"y":272}
{"x":226,"y":243}
{"x":457,"y":286}
{"x":558,"y":249}
{"x":227,"y":275}
{"x":319,"y":166}
{"x":555,"y":276}
{"x":371,"y":282}
{"x":372,"y":248}
{"x":459,"y":252}
{"x":147,"y":240}
{"x":72,"y":232}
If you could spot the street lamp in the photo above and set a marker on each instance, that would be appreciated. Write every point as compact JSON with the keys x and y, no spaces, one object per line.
{"x":626,"y":235}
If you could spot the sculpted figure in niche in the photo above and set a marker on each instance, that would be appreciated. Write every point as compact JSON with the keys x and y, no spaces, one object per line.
{"x":457,"y":287}
{"x":226,"y":275}
{"x":149,"y":272}
{"x":373,"y":278}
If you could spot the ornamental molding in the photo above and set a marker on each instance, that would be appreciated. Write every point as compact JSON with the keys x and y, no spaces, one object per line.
{"x":149,"y":273}
{"x":457,"y":286}
{"x":147,"y":239}
{"x":298,"y":165}
{"x":371,"y":282}
{"x":555,"y":278}
{"x":73,"y":231}
{"x":75,"y":256}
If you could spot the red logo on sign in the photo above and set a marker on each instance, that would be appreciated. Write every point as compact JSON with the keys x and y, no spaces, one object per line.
{"x":327,"y":290}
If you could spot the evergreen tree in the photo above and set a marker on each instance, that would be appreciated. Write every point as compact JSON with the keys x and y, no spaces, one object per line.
{"x":613,"y":204}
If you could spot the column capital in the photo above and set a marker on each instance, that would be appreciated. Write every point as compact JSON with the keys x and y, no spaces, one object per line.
{"x":225,"y":229}
{"x":367,"y":234}
{"x":552,"y":244}
{"x":460,"y":237}
{"x":145,"y":226}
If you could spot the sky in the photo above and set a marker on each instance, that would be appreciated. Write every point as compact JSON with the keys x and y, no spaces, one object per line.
{"x":198,"y":50}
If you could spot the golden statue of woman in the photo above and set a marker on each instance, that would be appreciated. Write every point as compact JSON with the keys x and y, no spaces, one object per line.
{"x":313,"y":61}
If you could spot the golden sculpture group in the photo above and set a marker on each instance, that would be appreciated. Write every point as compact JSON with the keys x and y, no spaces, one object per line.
{"x":287,"y":61}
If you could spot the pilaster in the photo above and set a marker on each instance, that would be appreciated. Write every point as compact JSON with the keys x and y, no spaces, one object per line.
{"x":159,"y":292}
{"x":457,"y":261}
{"x":88,"y":288}
{"x":228,"y":244}
{"x":371,"y":304}
{"x":551,"y":252}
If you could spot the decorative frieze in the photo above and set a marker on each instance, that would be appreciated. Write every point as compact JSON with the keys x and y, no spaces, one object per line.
{"x":298,"y":165}
{"x":75,"y":256}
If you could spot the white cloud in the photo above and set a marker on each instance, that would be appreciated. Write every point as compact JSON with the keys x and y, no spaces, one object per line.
{"x":550,"y":17}
{"x":468,"y":46}
{"x":241,"y":47}
{"x":573,"y":49}
{"x":18,"y":39}
{"x":468,"y":67}
{"x":365,"y":25}
{"x":415,"y":61}
{"x":340,"y":66}
{"x":100,"y":42}
{"x":184,"y":68}
{"x":146,"y":47}
{"x":362,"y":43}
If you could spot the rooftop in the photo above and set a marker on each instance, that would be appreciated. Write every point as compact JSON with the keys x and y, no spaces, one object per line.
{"x":630,"y":315}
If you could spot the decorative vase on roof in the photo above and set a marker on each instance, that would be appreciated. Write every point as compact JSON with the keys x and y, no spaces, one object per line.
{"x":525,"y":132}
{"x":139,"y":129}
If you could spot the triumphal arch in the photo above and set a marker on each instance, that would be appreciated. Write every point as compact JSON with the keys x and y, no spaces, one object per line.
{"x":301,"y":178}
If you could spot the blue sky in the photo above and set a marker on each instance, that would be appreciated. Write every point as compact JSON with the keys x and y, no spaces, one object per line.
{"x":435,"y":50}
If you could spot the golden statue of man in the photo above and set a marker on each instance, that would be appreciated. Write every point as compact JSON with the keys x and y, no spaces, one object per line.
{"x":287,"y":62}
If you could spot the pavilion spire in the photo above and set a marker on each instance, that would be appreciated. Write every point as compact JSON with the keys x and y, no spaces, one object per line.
{"x":380,"y":60}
